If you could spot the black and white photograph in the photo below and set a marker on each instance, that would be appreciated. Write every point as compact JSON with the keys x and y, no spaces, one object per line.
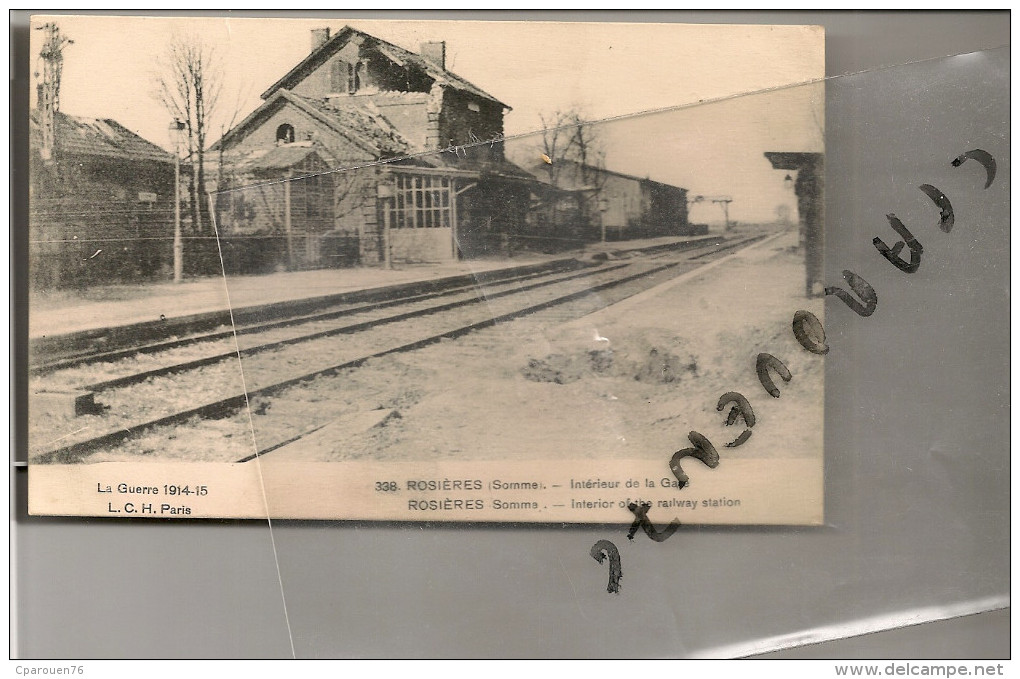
{"x":427,"y":270}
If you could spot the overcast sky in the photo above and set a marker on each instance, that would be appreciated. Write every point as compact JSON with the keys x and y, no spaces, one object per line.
{"x":602,"y":69}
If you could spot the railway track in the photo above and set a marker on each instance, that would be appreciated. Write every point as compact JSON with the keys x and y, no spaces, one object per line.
{"x":196,"y":330}
{"x":221,"y":346}
{"x":326,"y":344}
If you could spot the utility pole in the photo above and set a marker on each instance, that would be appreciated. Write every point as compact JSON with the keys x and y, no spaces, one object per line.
{"x":725,"y":202}
{"x":176,"y":127}
{"x":603,"y":208}
{"x":52,"y":57}
{"x":287,"y":226}
{"x":386,"y":191}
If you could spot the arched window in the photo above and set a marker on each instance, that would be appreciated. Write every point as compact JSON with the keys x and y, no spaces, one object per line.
{"x":285,"y":134}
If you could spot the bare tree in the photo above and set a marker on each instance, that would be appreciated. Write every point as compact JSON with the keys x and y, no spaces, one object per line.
{"x":351,"y":193}
{"x":572,"y":144}
{"x":587,"y":149}
{"x":188,"y":85}
{"x":555,"y":132}
{"x":226,"y":125}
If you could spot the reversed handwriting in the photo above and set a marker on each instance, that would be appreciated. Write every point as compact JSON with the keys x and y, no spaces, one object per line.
{"x":762,"y":365}
{"x":981,"y":156}
{"x":893,"y":253}
{"x":599,"y":551}
{"x":741,"y":409}
{"x":863,"y":289}
{"x":640,"y":511}
{"x":809,"y":332}
{"x":946,"y":216}
{"x":703,"y":450}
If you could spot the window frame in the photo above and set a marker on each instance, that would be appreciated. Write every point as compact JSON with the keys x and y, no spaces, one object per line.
{"x":421,"y":201}
{"x":283,"y":139}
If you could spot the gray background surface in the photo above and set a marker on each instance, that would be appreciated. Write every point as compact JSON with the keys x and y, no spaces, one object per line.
{"x":917,"y":448}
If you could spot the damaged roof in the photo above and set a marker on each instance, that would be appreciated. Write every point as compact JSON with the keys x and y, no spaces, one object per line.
{"x":363,"y":121}
{"x":277,"y":158}
{"x":398,"y":55}
{"x":483,"y":164}
{"x":368,"y":129}
{"x":74,"y":135}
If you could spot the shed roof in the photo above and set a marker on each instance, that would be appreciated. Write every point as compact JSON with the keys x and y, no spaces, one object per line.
{"x":105,"y":137}
{"x":792,"y":160}
{"x":276,"y":159}
{"x":537,"y":168}
{"x":490,"y":166}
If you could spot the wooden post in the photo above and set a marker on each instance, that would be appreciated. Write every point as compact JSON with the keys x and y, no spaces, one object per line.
{"x":178,"y":241}
{"x":387,"y":255}
{"x":602,"y":205}
{"x":725,"y":203}
{"x":453,"y":217}
{"x":454,"y":193}
{"x":286,"y":222}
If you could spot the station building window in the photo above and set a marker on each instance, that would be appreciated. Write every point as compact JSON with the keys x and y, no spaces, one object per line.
{"x":360,"y":76}
{"x":341,"y":77}
{"x":347,"y":77}
{"x":421,"y":202}
{"x":285,"y":134}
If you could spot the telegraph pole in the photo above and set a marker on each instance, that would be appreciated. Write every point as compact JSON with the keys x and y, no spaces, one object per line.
{"x":52,"y":57}
{"x":176,"y":127}
{"x":725,"y":202}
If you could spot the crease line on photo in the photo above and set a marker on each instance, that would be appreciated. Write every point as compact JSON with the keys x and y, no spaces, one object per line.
{"x":251,"y":426}
{"x":609,"y":119}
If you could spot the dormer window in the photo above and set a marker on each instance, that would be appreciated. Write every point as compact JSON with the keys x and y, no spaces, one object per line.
{"x":472,"y":106}
{"x":285,"y":134}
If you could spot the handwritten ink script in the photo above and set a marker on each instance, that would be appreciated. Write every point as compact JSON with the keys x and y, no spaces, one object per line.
{"x":810,"y":334}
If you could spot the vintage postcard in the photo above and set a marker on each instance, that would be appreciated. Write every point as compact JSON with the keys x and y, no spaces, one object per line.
{"x":426,"y":271}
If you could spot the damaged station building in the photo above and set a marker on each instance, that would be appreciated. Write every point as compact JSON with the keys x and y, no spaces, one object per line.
{"x":363,"y":154}
{"x":353,"y":101}
{"x":100,"y":202}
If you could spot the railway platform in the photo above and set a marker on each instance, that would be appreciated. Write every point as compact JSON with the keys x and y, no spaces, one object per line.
{"x":114,"y":391}
{"x":65,"y":313}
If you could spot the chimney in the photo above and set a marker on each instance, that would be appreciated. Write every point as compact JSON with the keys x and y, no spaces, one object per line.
{"x":435,"y":52}
{"x":319,"y":37}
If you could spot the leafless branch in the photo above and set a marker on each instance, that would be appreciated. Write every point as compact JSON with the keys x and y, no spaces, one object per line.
{"x":188,"y":85}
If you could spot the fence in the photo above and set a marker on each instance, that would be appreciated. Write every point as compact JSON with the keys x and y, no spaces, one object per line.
{"x":76,"y":244}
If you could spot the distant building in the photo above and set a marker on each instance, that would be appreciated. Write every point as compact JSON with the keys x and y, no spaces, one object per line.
{"x":101,"y":203}
{"x":353,"y":101}
{"x":592,"y":198}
